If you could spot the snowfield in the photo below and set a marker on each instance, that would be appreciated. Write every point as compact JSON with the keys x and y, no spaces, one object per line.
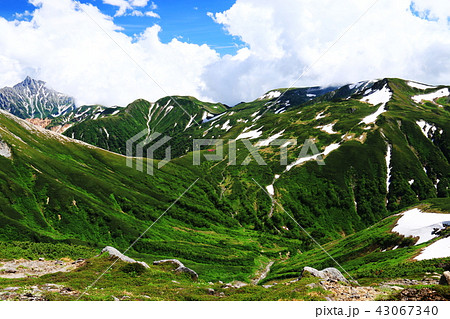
{"x":417,"y":223}
{"x":270,"y":139}
{"x":426,"y":127}
{"x":331,"y":148}
{"x":208,"y":119}
{"x":388,"y":165}
{"x":327,"y":128}
{"x":226,"y":126}
{"x":270,"y":95}
{"x":431,"y":96}
{"x":320,"y":116}
{"x":438,"y":249}
{"x":250,"y":135}
{"x":380,"y":96}
{"x":372,"y":118}
{"x":328,"y":150}
{"x":420,"y":86}
{"x":270,"y":190}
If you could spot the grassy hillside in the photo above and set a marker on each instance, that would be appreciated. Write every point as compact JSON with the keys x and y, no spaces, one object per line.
{"x":58,"y":190}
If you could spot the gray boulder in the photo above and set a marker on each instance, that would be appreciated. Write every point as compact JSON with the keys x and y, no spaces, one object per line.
{"x":445,"y":278}
{"x":113,"y":252}
{"x":180,"y":267}
{"x":330,"y":274}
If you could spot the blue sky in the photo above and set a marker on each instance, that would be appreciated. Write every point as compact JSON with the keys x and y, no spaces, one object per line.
{"x":402,"y":38}
{"x":185,"y":20}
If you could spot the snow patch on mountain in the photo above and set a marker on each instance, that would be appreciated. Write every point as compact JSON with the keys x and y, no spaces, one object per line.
{"x":327,"y":128}
{"x":328,"y":150}
{"x":376,"y":97}
{"x":106,"y":132}
{"x":270,"y":190}
{"x":250,"y":134}
{"x":331,"y":148}
{"x":431,"y":96}
{"x":426,"y":128}
{"x":226,"y":126}
{"x":190,"y":123}
{"x":206,"y":120}
{"x":438,"y":249}
{"x":388,"y":167}
{"x":320,"y":116}
{"x":272,"y":138}
{"x":372,"y":118}
{"x":270,"y":95}
{"x":257,"y":118}
{"x":420,"y":224}
{"x":420,"y":86}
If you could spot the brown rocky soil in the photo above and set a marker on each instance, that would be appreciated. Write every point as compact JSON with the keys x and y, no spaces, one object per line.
{"x":34,"y":293}
{"x":350,"y":293}
{"x":34,"y":268}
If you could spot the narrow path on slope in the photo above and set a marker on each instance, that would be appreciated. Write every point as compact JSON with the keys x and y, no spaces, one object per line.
{"x":263,"y":274}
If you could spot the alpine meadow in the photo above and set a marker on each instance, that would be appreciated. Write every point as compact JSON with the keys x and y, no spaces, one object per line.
{"x":385,"y":151}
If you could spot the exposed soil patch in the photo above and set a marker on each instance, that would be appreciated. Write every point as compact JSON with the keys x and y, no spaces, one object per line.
{"x":423,"y":294}
{"x":34,"y":268}
{"x":350,"y":293}
{"x":34,"y":293}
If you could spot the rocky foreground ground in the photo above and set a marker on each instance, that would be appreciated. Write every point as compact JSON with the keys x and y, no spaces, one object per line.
{"x":331,"y":280}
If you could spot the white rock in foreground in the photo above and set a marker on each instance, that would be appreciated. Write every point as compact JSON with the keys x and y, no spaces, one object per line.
{"x":113,"y":252}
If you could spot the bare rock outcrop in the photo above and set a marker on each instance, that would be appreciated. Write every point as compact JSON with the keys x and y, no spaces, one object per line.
{"x":180,"y":267}
{"x":445,"y":278}
{"x":113,"y":252}
{"x":331,"y":274}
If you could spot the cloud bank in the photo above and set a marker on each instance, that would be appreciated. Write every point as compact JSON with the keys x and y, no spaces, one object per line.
{"x":80,"y":51}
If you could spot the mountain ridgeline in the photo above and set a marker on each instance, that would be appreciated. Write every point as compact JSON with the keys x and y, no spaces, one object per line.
{"x":32,"y":99}
{"x":384,"y":143}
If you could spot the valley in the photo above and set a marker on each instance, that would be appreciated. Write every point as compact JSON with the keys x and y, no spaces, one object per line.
{"x":385,"y":149}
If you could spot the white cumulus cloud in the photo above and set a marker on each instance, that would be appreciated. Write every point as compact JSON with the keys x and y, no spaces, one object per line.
{"x":126,"y":5}
{"x":152,"y":14}
{"x":63,"y":46}
{"x":80,"y":51}
{"x":285,"y":38}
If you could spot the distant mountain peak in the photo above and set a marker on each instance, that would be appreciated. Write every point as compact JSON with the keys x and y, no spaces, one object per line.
{"x":32,"y":99}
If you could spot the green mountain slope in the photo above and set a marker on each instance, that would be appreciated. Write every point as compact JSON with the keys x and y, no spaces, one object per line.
{"x":170,"y":115}
{"x":57,"y":189}
{"x":384,"y":149}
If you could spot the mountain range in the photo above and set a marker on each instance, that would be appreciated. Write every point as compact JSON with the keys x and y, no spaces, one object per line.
{"x":384,"y":143}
